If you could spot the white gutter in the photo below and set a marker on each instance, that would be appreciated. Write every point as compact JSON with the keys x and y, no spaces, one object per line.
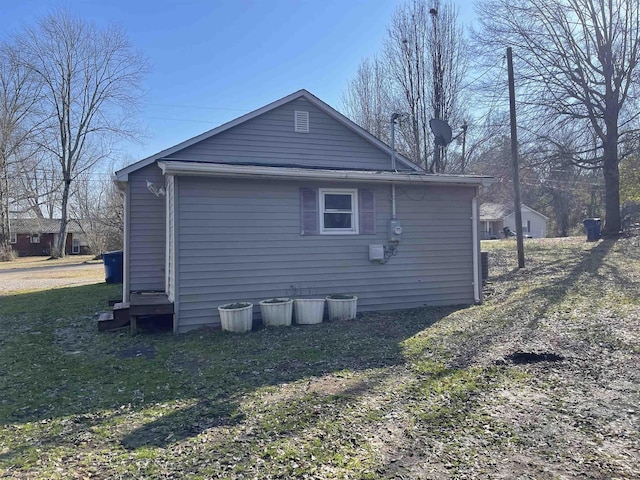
{"x":476,"y":254}
{"x":282,"y":173}
{"x":167,"y":237}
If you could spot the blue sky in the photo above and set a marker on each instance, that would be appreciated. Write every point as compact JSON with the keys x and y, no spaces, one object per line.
{"x":216,"y":60}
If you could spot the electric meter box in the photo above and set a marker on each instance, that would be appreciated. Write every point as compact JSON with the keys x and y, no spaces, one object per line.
{"x":395,"y":231}
{"x":376,"y":253}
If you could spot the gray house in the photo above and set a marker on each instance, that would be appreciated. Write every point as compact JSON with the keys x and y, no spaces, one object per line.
{"x":294,"y":199}
{"x":495,"y":216}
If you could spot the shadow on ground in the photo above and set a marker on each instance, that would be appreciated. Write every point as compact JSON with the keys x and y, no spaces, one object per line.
{"x":526,"y":311}
{"x":57,"y":366}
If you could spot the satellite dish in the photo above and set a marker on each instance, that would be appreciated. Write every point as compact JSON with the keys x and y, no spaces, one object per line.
{"x":442,"y":131}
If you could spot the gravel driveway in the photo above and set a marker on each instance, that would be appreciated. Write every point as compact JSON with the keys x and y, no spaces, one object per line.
{"x":44,"y":278}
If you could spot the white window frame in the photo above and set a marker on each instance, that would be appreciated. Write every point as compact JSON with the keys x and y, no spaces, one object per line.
{"x":75,"y":246}
{"x":13,"y":238}
{"x":353,"y":192}
{"x":36,"y":236}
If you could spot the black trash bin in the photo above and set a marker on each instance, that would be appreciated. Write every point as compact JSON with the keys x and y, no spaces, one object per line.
{"x":112,"y":266}
{"x":592,"y":227}
{"x":484,"y":257}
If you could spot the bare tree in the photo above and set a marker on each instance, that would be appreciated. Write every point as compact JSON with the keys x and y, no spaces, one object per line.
{"x":418,"y":75}
{"x":19,"y":94}
{"x":577,"y":67}
{"x":406,"y":55}
{"x":448,"y":68}
{"x":366,"y":100}
{"x":97,"y":207}
{"x":38,"y":186}
{"x":562,"y":185}
{"x":426,"y":52}
{"x":91,"y":81}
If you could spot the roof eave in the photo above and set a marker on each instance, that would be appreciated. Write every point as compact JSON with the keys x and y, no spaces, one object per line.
{"x":282,"y":173}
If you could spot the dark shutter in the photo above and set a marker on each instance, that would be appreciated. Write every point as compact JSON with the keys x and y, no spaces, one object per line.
{"x":367,"y":212}
{"x":309,"y":211}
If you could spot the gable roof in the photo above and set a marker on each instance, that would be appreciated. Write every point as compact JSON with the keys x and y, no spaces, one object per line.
{"x":493,"y":211}
{"x":122,"y":175}
{"x":498,"y":211}
{"x":41,"y":225}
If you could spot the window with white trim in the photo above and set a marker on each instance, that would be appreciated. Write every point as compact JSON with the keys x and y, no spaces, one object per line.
{"x":34,"y":238}
{"x":13,"y":238}
{"x":338,"y":211}
{"x":75,"y":246}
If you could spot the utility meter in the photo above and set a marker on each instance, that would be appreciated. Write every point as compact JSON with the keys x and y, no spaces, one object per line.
{"x":395,"y":231}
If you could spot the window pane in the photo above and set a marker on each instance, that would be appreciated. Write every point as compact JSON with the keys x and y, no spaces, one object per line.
{"x":337,"y":201}
{"x":337,"y":220}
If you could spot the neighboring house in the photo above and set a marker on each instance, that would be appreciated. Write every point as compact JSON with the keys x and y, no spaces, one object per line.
{"x":492,"y":220}
{"x":495,"y":216}
{"x":37,"y":236}
{"x":294,"y":199}
{"x":80,"y":244}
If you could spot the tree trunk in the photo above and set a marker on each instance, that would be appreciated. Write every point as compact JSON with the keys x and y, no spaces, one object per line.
{"x":5,"y":245}
{"x":613,"y":222}
{"x":611,"y":173}
{"x":561,"y":209}
{"x":62,"y":236}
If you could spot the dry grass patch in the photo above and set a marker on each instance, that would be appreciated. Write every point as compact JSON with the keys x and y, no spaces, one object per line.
{"x":37,"y":262}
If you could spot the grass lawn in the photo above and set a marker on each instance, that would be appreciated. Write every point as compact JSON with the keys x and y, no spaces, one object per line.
{"x":541,"y":381}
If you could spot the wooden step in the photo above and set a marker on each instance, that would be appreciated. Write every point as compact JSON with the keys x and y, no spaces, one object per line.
{"x":106,"y":321}
{"x":150,"y":304}
{"x":121,"y":312}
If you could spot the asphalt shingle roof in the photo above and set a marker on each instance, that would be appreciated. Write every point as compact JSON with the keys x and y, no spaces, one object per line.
{"x":41,"y":225}
{"x":493,"y":211}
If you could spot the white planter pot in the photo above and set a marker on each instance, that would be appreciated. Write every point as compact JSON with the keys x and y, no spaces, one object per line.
{"x":342,"y":308}
{"x":276,"y":314}
{"x":309,"y":310}
{"x":236,"y":319}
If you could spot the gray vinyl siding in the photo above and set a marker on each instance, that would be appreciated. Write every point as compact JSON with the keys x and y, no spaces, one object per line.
{"x":146,"y":231}
{"x":269,"y":139}
{"x":240,"y":241}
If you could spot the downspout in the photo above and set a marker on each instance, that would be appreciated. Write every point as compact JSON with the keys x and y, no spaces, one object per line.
{"x":167,"y":238}
{"x":476,"y":248}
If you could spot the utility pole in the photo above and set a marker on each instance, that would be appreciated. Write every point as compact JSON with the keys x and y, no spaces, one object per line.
{"x":514,"y":159}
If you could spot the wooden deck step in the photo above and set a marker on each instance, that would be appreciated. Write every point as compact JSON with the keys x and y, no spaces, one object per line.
{"x":148,"y":304}
{"x":106,"y":321}
{"x":121,"y":312}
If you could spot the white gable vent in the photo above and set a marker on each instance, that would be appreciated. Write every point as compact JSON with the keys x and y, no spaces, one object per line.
{"x":301,"y":121}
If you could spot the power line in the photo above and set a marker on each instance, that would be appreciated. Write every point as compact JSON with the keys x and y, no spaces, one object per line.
{"x":209,"y":122}
{"x":471,"y":82}
{"x":197,"y":107}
